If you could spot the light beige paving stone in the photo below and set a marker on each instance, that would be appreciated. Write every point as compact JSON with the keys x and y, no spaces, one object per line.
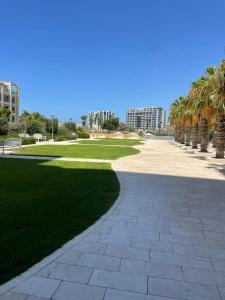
{"x":204,"y":276}
{"x":123,"y":295}
{"x":71,"y":273}
{"x":183,"y":290}
{"x":128,"y":252}
{"x":74,"y":291}
{"x":163,"y":271}
{"x":151,"y":245}
{"x":100,"y":261}
{"x":13,"y":296}
{"x":118,"y":280}
{"x":180,"y":260}
{"x":38,"y":286}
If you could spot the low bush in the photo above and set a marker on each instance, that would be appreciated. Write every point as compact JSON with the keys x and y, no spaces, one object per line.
{"x":28,"y":141}
{"x":83,"y":135}
{"x":66,"y":137}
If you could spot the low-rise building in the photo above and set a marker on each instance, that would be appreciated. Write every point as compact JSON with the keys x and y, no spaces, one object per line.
{"x":9,"y":97}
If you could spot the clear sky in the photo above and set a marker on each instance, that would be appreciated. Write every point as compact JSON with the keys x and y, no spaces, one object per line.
{"x":71,"y":57}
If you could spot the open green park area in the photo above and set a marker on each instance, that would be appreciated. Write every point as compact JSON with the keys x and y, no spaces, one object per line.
{"x":46,"y":203}
{"x":79,"y":151}
{"x":121,"y":142}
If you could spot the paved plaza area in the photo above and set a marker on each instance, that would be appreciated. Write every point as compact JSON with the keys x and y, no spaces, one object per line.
{"x":163,"y":239}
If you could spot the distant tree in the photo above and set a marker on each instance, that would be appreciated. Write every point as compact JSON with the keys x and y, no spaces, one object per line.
{"x":91,"y":121}
{"x":48,"y":124}
{"x":71,"y":126}
{"x":111,"y":124}
{"x":4,"y":120}
{"x":99,"y":121}
{"x":83,"y":120}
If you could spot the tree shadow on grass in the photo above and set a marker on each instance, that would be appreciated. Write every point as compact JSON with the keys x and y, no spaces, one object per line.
{"x":45,"y":204}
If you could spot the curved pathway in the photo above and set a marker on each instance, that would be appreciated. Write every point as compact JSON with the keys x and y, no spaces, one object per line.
{"x":163,"y":239}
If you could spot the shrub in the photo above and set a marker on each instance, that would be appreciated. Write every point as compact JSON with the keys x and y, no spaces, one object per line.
{"x":64,"y":137}
{"x":83,"y":135}
{"x":28,"y":141}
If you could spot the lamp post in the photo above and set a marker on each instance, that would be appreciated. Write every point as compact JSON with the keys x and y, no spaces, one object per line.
{"x":70,"y":125}
{"x":52,"y":119}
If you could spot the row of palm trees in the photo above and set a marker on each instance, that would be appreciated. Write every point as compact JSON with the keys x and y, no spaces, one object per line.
{"x":201,"y":113}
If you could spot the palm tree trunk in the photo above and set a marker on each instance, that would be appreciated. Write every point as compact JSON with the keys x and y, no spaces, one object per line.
{"x":199,"y":134}
{"x":204,"y":134}
{"x":176,"y":134}
{"x":195,"y":136}
{"x":182,"y":135}
{"x":214,"y":139}
{"x":220,"y":136}
{"x":188,"y":136}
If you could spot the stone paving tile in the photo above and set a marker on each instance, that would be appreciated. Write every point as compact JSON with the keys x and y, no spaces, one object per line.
{"x":35,"y":298}
{"x":127,"y":252}
{"x":13,"y":296}
{"x":185,"y":232}
{"x":218,"y":264}
{"x":204,"y":276}
{"x":199,"y":251}
{"x":118,"y":280}
{"x":136,"y":233}
{"x":222,"y":292}
{"x":214,"y":235}
{"x":76,"y":291}
{"x":38,"y":286}
{"x":163,"y":271}
{"x":114,"y":239}
{"x":133,"y":266}
{"x":148,"y":227}
{"x":71,"y":273}
{"x":151,"y":245}
{"x":46,"y":271}
{"x":100,"y":261}
{"x":123,"y":295}
{"x":183,"y":290}
{"x":89,"y":247}
{"x":152,"y":297}
{"x":70,"y":257}
{"x":180,"y":260}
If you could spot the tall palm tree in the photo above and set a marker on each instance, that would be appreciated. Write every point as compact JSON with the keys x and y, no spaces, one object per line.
{"x":218,"y":96}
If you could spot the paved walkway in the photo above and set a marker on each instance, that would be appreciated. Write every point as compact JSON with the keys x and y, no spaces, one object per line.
{"x":163,"y":239}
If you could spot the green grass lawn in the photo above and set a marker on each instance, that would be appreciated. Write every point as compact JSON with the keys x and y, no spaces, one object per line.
{"x":123,"y":142}
{"x":46,"y":203}
{"x":79,"y":151}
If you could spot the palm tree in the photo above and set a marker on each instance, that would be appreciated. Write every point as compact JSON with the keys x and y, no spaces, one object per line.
{"x":218,"y":98}
{"x":83,"y":120}
{"x":99,"y":121}
{"x":91,"y":121}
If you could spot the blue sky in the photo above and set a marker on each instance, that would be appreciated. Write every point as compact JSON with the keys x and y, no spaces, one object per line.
{"x":71,"y":57}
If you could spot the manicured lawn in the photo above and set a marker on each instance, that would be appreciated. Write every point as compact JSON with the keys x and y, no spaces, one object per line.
{"x":123,"y":142}
{"x":46,"y":203}
{"x":79,"y":151}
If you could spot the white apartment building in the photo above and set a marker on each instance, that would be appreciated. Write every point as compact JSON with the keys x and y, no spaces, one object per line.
{"x":9,"y":97}
{"x":99,"y":117}
{"x":147,"y":119}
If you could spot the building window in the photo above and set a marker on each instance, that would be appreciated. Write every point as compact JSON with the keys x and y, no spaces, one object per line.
{"x":6,"y":98}
{"x":13,"y":119}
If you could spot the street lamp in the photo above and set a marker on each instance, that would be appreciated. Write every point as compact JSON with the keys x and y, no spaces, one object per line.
{"x":70,"y":125}
{"x":52,"y":127}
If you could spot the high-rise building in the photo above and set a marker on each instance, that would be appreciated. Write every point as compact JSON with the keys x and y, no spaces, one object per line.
{"x":147,"y":119}
{"x":99,"y":117}
{"x":9,"y":97}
